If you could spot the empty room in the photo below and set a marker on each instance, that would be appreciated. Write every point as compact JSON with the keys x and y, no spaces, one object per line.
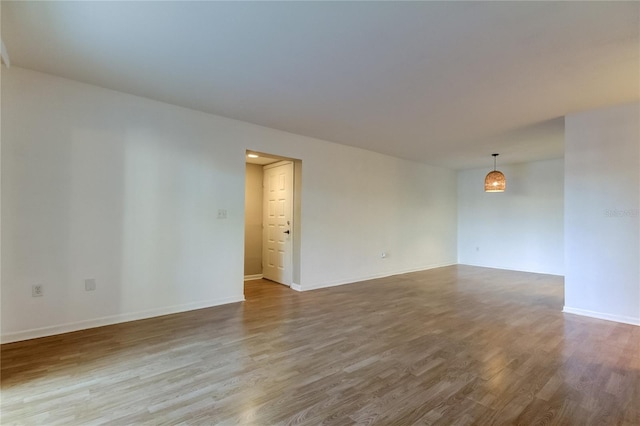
{"x":265,"y":213}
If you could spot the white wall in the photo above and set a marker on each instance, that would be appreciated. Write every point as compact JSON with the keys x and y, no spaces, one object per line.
{"x":356,"y":204}
{"x":253,"y":220}
{"x":105,"y":185}
{"x":602,"y":203}
{"x":519,"y":229}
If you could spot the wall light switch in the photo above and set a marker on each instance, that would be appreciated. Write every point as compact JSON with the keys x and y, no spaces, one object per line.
{"x":90,"y":284}
{"x":37,"y":290}
{"x":222,"y":213}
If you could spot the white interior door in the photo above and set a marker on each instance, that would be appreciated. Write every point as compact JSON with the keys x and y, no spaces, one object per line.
{"x":277,"y":250}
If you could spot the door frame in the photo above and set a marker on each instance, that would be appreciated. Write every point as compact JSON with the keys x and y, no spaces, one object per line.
{"x":297,"y":212}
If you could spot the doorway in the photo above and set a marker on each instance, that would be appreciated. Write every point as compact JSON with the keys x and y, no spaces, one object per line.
{"x":272,"y":219}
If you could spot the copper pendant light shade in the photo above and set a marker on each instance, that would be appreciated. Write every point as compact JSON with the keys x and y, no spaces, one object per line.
{"x":495,"y":180}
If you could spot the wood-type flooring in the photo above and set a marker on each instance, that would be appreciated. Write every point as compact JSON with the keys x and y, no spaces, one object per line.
{"x":458,"y":345}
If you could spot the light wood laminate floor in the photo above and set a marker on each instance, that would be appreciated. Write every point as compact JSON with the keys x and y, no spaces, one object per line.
{"x":451,"y":346}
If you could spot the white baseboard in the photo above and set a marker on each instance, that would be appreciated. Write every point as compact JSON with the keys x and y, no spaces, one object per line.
{"x":253,"y":277}
{"x":502,"y":268}
{"x":112,"y":319}
{"x":601,"y":315}
{"x":296,"y":287}
{"x":368,"y":277}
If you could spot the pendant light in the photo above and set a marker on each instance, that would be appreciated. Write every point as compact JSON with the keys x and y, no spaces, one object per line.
{"x":495,"y":181}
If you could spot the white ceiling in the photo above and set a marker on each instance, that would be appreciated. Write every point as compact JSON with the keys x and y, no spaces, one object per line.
{"x":444,"y":83}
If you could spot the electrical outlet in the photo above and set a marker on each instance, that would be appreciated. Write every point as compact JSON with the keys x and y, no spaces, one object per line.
{"x":90,"y":284}
{"x":37,"y":290}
